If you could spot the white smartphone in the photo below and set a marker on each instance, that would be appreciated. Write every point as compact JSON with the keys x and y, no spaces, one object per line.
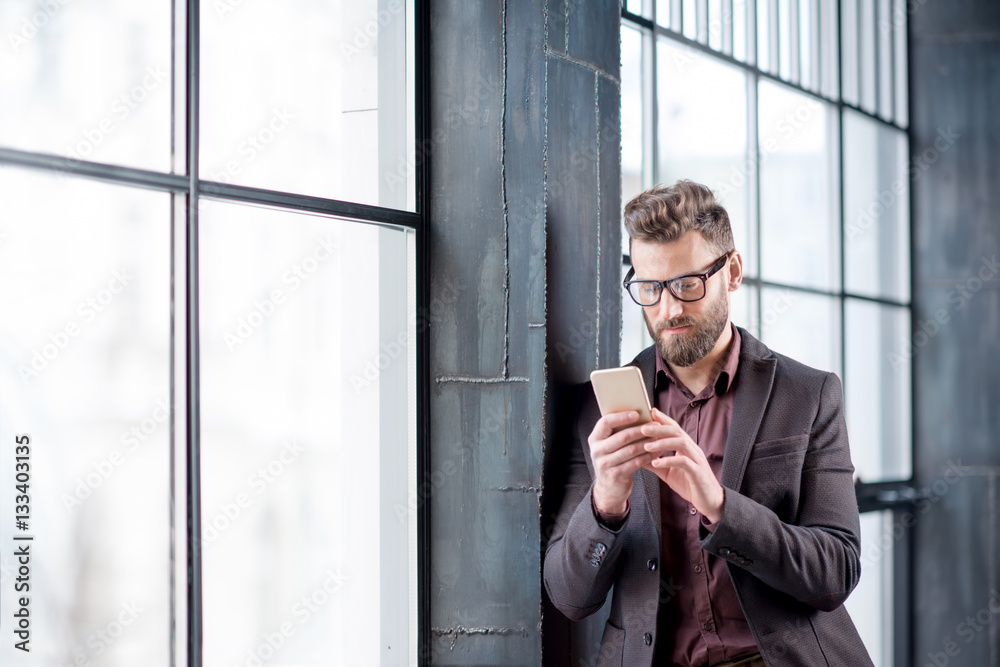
{"x":621,"y":390}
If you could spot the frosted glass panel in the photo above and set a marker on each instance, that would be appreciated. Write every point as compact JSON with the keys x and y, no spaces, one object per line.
{"x":878,"y":389}
{"x":799,"y":219}
{"x":307,"y":348}
{"x":87,"y":80}
{"x":85,"y":352}
{"x":321,"y":108}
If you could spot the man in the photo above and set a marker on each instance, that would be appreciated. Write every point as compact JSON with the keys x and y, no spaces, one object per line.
{"x":728,"y":526}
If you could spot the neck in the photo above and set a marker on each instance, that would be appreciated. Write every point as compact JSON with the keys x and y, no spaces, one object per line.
{"x":697,"y":375}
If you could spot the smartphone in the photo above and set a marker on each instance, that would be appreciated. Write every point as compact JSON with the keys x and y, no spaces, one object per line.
{"x":621,"y":390}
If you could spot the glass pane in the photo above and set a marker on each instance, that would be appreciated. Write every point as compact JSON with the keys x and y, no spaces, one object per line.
{"x":323,"y":109}
{"x":715,"y":23}
{"x":308,"y":328}
{"x":784,"y":40}
{"x":877,"y":203}
{"x":763,"y":36}
{"x":899,"y":17}
{"x":830,"y":48}
{"x":690,"y":9}
{"x":803,"y":326}
{"x":81,"y":95}
{"x":806,"y":44}
{"x":870,"y":605}
{"x":701,"y":139}
{"x":850,"y":45}
{"x":664,"y":12}
{"x":869,"y":70}
{"x":740,"y":30}
{"x":635,"y":6}
{"x":800,"y":223}
{"x":879,"y":349}
{"x":85,"y":297}
{"x":885,"y":84}
{"x":632,"y":106}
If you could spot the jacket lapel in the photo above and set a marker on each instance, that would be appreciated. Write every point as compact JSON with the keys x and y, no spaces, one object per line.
{"x":752,"y":387}
{"x":645,"y":479}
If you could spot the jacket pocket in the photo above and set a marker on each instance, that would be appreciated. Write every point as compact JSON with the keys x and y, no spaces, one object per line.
{"x":795,"y":443}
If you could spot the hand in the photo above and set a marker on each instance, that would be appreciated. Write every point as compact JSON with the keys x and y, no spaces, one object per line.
{"x":686,"y":472}
{"x":616,"y":457}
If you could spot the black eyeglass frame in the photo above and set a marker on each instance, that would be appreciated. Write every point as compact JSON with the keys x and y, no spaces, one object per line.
{"x":665,"y":284}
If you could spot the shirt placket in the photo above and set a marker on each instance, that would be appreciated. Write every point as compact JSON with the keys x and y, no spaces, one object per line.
{"x":698,"y":557}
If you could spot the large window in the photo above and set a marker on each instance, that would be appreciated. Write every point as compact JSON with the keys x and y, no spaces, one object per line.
{"x":795,"y":113}
{"x":210,"y":278}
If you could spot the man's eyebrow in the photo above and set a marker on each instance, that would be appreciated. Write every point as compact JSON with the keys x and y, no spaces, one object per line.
{"x":693,"y":272}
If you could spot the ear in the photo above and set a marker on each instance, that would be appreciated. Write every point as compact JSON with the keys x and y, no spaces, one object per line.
{"x":735,"y":274}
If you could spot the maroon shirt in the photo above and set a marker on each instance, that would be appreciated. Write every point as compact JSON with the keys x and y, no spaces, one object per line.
{"x":700,"y":621}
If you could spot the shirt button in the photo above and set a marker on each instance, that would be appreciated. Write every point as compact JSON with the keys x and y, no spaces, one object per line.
{"x":694,"y":404}
{"x":651,"y":564}
{"x":647,"y":639}
{"x":694,"y":511}
{"x":697,"y":568}
{"x":708,"y":627}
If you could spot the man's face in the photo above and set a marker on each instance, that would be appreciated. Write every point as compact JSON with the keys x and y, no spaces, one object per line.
{"x":684,"y":332}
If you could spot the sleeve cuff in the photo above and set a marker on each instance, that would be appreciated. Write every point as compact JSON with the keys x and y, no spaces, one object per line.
{"x":612,"y":522}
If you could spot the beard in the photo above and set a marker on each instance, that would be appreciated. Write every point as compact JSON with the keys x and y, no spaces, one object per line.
{"x":687,"y":348}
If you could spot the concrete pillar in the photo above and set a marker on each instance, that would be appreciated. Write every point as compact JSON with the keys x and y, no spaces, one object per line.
{"x":525,"y":297}
{"x":955,"y":94}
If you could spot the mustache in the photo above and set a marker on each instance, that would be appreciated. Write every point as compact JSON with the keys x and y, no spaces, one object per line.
{"x":663,"y":326}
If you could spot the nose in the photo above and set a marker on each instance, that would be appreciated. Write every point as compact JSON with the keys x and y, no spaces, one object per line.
{"x":669,"y":307}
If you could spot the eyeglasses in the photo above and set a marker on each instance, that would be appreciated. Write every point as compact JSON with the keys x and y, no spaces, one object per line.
{"x":684,"y":288}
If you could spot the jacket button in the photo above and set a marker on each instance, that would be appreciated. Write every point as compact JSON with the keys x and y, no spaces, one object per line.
{"x":724,"y":551}
{"x":651,"y":564}
{"x":647,"y":639}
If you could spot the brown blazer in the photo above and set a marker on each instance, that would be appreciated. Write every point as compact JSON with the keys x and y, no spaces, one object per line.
{"x":789,"y":528}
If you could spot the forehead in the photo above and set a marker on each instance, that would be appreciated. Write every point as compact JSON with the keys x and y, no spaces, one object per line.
{"x":690,"y":253}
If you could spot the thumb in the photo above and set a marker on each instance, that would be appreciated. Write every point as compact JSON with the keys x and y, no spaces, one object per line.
{"x":660,"y":416}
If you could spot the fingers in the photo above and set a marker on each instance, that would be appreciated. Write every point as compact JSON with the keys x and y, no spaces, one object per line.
{"x":609,"y":422}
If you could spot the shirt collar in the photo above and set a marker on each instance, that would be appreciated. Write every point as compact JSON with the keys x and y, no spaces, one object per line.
{"x":721,"y":382}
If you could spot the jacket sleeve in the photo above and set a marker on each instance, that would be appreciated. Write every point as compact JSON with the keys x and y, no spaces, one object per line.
{"x":582,"y":555}
{"x":817,"y":560}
